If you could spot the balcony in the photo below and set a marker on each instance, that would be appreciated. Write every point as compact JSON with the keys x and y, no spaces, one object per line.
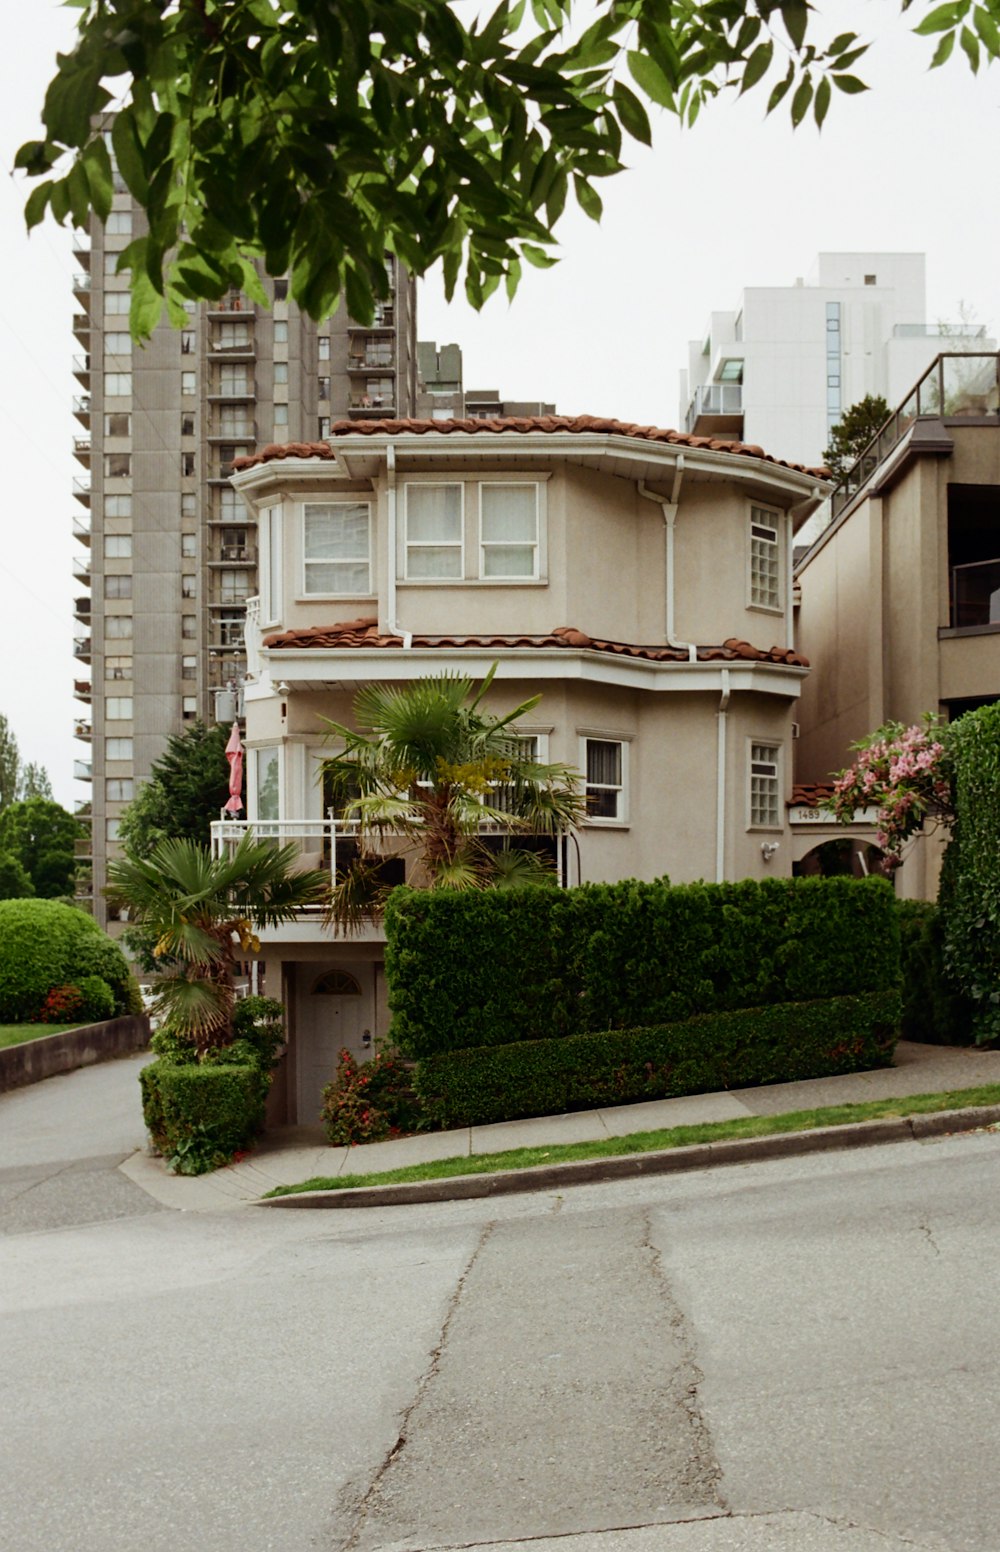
{"x":245,"y":432}
{"x":81,"y":370}
{"x":81,"y":327}
{"x":236,"y":555}
{"x":233,"y":350}
{"x":81,"y":530}
{"x":230,"y":393}
{"x":81,"y":284}
{"x":371,"y":363}
{"x":83,"y":848}
{"x":975,"y":595}
{"x":716,"y":407}
{"x":81,"y":490}
{"x":81,"y":648}
{"x":385,"y":318}
{"x":81,"y":569}
{"x":375,"y":407}
{"x":223,"y":306}
{"x":82,"y":690}
{"x":83,"y":730}
{"x":81,"y":408}
{"x":81,"y":609}
{"x":82,"y":770}
{"x":81,"y":450}
{"x":81,"y":249}
{"x":958,"y":384}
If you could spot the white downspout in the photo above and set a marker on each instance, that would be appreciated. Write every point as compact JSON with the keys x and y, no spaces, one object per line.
{"x":390,"y":591}
{"x":720,"y":794}
{"x":669,"y":509}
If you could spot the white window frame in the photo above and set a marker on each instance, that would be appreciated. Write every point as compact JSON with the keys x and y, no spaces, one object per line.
{"x":345,"y":500}
{"x":114,"y":708}
{"x":763,"y":742}
{"x":117,"y":546}
{"x":270,"y":564}
{"x":253,"y":779}
{"x":484,"y":544}
{"x":620,"y":820}
{"x":109,"y":754}
{"x":113,"y":385}
{"x":427,"y":544}
{"x":761,"y":518}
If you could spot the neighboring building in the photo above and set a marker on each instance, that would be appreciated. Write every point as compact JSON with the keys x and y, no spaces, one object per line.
{"x":442,"y":395}
{"x":641,"y":580}
{"x":780,"y":370}
{"x":900,"y":596}
{"x":170,"y":554}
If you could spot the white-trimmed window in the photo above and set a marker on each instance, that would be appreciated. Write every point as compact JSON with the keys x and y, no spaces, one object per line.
{"x":118,"y":749}
{"x":189,"y":667}
{"x":267,"y":782}
{"x":118,"y":708}
{"x":765,"y":559}
{"x":605,"y":765}
{"x":336,"y":549}
{"x":118,"y":506}
{"x":508,"y":530}
{"x":270,"y":579}
{"x":434,"y":531}
{"x":118,"y":546}
{"x":189,"y":384}
{"x":765,"y":787}
{"x":189,"y":708}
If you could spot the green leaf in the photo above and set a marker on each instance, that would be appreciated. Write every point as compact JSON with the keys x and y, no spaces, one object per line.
{"x":821,"y":104}
{"x":944,"y":49}
{"x":801,"y":101}
{"x":128,"y":153}
{"x":650,"y":78}
{"x":988,"y":31}
{"x":146,"y":307}
{"x":632,"y":114}
{"x":970,"y":47}
{"x":37,"y":204}
{"x":756,"y":66}
{"x":795,"y":15}
{"x":97,"y":167}
{"x":537,"y":256}
{"x":940,"y":19}
{"x":849,"y":84}
{"x":780,"y":90}
{"x":78,"y":190}
{"x":587,"y":197}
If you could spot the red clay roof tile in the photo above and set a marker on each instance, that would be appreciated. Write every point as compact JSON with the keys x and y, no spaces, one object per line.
{"x":517,"y":425}
{"x":353,"y":635}
{"x":812,"y":794}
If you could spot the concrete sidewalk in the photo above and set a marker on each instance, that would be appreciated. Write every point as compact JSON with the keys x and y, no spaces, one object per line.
{"x":299,"y":1153}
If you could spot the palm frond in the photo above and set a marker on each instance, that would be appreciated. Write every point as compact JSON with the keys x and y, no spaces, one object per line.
{"x":359,"y":896}
{"x":197,"y":1009}
{"x":514,"y":868}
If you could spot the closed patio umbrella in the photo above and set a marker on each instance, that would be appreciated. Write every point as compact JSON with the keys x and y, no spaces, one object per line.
{"x":234,"y":754}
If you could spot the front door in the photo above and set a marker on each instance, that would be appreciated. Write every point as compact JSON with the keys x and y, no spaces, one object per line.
{"x":335,"y":1010}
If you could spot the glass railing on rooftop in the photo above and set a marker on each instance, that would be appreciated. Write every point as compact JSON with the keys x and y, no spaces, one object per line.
{"x":955,"y":384}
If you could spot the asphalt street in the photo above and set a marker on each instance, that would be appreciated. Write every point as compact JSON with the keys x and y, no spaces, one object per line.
{"x":798,"y":1354}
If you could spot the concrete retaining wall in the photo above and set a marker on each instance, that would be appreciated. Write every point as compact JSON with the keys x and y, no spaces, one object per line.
{"x":50,"y":1054}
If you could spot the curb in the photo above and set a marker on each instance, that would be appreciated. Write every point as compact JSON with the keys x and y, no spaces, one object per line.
{"x":669,"y":1161}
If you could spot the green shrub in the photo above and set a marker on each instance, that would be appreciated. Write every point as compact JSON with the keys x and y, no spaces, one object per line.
{"x":200,"y":1115}
{"x":732,"y":1049}
{"x":485,"y":969}
{"x":934,"y":1011}
{"x":98,"y":999}
{"x":970,"y":886}
{"x":44,"y":944}
{"x":260,"y":1023}
{"x":370,"y":1101}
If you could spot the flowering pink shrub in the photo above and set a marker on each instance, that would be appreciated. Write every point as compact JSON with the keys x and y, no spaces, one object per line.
{"x":903,"y":772}
{"x":369,"y":1101}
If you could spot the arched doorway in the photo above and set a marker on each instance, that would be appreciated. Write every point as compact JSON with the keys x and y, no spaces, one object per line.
{"x":841,"y":856}
{"x":335,"y":1011}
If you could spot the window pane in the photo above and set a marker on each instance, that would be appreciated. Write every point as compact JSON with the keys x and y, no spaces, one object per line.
{"x":764,"y":795}
{"x":337,"y":532}
{"x":267,"y":783}
{"x":604,"y":778}
{"x":434,"y":561}
{"x":509,"y":560}
{"x":434,"y":513}
{"x":327,"y":577}
{"x":118,"y":749}
{"x":509,"y":514}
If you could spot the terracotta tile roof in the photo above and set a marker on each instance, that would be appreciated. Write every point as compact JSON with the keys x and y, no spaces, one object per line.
{"x":813,"y":794}
{"x":351,"y":635}
{"x":519,"y":425}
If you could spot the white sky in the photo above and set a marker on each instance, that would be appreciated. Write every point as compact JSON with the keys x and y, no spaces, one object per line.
{"x":737,"y":201}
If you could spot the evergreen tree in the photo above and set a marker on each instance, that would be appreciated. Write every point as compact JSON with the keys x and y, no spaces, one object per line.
{"x":40,"y":836}
{"x":187,"y":788}
{"x":853,"y":432}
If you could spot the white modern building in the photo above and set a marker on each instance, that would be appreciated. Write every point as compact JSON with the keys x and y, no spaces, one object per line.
{"x":780,"y":369}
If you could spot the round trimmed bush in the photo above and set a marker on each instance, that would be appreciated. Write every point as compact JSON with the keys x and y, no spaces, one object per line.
{"x":43,"y":944}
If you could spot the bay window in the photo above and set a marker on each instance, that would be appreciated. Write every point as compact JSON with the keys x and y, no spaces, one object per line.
{"x":336,"y":548}
{"x":434,"y":524}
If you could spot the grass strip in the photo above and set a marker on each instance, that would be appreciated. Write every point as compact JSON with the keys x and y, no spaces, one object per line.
{"x":651,"y":1142}
{"x":19,"y":1034}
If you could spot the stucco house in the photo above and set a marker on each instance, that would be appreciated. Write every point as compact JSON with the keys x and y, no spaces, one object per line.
{"x":900,"y":595}
{"x":640,"y":579}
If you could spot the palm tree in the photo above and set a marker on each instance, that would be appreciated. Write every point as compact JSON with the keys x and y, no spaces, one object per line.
{"x":427,"y":762}
{"x":204,"y":913}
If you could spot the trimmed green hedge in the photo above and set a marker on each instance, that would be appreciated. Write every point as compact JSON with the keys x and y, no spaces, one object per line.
{"x":934,"y":1011}
{"x":200,"y":1115}
{"x":970,"y":884}
{"x":486,"y":969}
{"x":734,"y":1049}
{"x":43,"y":944}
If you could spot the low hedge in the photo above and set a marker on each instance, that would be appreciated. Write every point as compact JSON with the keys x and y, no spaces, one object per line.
{"x":484,"y":969}
{"x":728,"y":1050}
{"x":200,"y":1115}
{"x":934,"y":1010}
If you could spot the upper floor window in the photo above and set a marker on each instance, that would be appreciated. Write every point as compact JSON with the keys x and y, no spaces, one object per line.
{"x":765,"y":792}
{"x":118,"y":343}
{"x":336,"y":548}
{"x":270,"y":581}
{"x":118,"y":506}
{"x":119,"y":223}
{"x":765,"y":559}
{"x":118,"y":749}
{"x":117,"y":385}
{"x":509,"y":530}
{"x":116,"y":303}
{"x":118,"y":708}
{"x":434,"y":524}
{"x":189,"y":384}
{"x":117,"y":587}
{"x":118,"y":424}
{"x":118,"y":627}
{"x":281,"y":331}
{"x":604,"y":763}
{"x":118,"y":546}
{"x":117,"y":466}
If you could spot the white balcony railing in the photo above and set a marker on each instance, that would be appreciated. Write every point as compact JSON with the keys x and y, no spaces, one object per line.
{"x":715,"y":399}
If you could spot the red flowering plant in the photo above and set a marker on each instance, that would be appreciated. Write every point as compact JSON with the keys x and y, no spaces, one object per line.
{"x":905,"y":773}
{"x":369,"y":1101}
{"x":61,"y":1005}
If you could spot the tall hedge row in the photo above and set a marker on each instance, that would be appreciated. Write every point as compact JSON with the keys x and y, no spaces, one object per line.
{"x":970,"y":886}
{"x":474,"y":970}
